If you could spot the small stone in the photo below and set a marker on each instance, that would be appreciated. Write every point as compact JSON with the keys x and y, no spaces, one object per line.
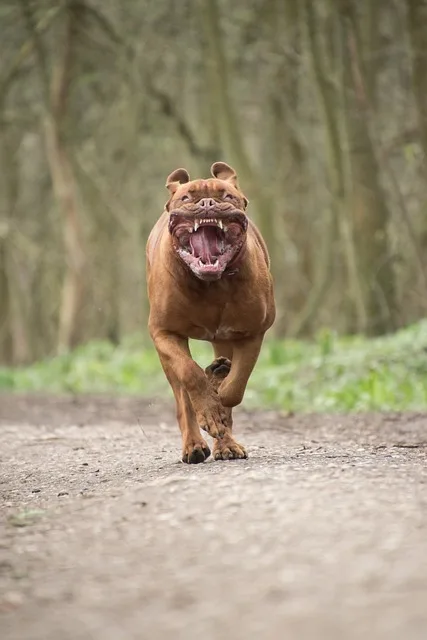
{"x":63,"y":493}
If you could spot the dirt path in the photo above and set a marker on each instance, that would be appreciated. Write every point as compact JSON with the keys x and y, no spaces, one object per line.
{"x":104,"y":534}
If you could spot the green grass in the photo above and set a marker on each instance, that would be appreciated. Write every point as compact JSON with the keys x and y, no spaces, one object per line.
{"x":326,"y":374}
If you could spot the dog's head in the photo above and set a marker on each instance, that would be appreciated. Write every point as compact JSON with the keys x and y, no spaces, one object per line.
{"x":207,"y":220}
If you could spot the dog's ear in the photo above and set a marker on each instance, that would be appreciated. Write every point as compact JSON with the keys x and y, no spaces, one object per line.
{"x":223,"y":171}
{"x":177,"y":177}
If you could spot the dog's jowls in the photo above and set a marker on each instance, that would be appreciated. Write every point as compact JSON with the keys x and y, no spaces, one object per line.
{"x":208,"y":278}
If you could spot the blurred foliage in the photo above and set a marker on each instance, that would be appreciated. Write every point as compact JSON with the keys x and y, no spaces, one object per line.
{"x":319,"y":106}
{"x":329,"y":373}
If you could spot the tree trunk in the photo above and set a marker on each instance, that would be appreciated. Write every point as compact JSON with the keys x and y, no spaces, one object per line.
{"x":336,"y":178}
{"x":14,"y":329}
{"x":6,"y":345}
{"x":228,"y":123}
{"x":417,"y":28}
{"x":370,"y":214}
{"x":285,"y":159}
{"x":64,"y":187}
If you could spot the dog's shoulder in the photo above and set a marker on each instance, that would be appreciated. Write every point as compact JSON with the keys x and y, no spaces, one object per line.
{"x":155,"y":236}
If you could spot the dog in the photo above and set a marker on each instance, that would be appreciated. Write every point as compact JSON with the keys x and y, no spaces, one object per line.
{"x":208,"y":278}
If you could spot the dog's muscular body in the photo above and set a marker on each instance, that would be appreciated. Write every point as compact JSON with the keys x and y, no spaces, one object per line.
{"x":208,"y":278}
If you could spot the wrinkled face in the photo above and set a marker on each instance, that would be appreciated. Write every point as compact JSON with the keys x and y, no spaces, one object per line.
{"x":207,"y":221}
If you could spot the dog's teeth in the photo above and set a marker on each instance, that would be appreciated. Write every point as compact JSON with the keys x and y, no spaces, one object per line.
{"x":216,"y":262}
{"x":225,"y":227}
{"x":196,"y":226}
{"x":219,"y":223}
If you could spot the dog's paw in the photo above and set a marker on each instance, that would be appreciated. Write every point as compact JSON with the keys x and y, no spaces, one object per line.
{"x":218,"y":370}
{"x":228,"y":449}
{"x":195,"y":452}
{"x":212,"y":417}
{"x":219,"y":367}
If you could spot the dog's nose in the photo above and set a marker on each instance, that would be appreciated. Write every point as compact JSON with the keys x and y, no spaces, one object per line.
{"x":206,"y":203}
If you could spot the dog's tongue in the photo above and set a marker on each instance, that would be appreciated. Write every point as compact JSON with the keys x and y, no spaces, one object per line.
{"x":205,"y":243}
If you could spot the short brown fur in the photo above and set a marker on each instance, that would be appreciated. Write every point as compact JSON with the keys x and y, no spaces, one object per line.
{"x":233,"y":313}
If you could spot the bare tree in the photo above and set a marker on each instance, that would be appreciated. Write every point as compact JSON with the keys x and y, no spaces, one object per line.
{"x":370,"y":212}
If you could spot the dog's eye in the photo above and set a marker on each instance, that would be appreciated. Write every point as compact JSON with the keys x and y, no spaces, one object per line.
{"x":228,"y":196}
{"x":185,"y":198}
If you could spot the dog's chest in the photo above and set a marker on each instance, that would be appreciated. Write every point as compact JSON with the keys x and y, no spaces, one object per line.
{"x":222,"y":333}
{"x":228,"y":333}
{"x":225,"y":328}
{"x":226,"y":320}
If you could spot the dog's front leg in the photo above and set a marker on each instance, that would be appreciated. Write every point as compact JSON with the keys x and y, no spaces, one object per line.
{"x":227,"y":448}
{"x":180,"y":369}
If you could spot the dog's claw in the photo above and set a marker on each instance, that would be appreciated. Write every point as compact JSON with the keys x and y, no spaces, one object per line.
{"x":212,"y":418}
{"x":211,"y":426}
{"x":228,"y":449}
{"x":195,"y":453}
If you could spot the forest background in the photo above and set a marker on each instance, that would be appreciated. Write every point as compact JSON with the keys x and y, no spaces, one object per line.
{"x":321,"y":107}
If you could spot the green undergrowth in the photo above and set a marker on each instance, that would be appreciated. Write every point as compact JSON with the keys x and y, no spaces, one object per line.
{"x":329,"y":373}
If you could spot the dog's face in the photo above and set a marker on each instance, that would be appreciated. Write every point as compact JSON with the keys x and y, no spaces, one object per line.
{"x":207,"y":221}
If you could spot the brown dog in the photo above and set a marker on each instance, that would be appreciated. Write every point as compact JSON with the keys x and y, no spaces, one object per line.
{"x":209,"y":279}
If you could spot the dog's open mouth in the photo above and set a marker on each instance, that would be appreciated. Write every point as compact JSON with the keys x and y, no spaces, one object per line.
{"x":208,"y":244}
